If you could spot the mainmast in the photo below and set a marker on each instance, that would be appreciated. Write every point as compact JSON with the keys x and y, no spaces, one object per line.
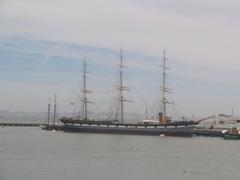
{"x":85,"y":91}
{"x":164,"y":89}
{"x":121,"y":87}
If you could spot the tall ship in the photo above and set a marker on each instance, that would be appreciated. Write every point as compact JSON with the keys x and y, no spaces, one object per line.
{"x":161,"y":127}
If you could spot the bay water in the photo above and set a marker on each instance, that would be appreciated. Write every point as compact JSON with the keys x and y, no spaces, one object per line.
{"x":34,"y":154}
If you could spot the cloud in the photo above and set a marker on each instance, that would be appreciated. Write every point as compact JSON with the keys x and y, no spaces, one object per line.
{"x":191,"y":31}
{"x":201,"y":38}
{"x":205,"y":9}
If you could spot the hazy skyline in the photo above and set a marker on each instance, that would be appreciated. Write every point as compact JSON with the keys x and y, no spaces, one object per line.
{"x":42,"y":44}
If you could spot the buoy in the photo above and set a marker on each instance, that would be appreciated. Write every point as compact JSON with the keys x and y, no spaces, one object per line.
{"x":162,"y":135}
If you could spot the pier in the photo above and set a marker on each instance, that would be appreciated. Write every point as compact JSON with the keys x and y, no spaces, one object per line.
{"x":49,"y":127}
{"x":5,"y":124}
{"x":44,"y":126}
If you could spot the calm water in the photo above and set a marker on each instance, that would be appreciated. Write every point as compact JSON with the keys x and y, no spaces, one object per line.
{"x":33,"y":154}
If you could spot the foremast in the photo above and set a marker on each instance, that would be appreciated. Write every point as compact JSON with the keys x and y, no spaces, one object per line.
{"x":85,"y":91}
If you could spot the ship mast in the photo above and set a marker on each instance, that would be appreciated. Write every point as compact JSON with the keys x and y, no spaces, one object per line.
{"x":55,"y":110}
{"x":164,"y":89}
{"x":146,"y":111}
{"x":121,"y":87}
{"x":49,"y":111}
{"x":85,"y":91}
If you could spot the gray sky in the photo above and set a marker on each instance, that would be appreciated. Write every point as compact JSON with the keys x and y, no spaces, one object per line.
{"x":201,"y":38}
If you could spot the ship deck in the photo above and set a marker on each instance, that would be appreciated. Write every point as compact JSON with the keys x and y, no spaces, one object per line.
{"x":136,"y":125}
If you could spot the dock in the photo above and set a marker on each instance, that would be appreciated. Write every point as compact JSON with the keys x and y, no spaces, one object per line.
{"x":5,"y":124}
{"x":57,"y":127}
{"x":50,"y":127}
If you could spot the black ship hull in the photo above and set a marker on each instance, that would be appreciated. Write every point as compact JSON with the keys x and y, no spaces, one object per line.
{"x":159,"y":131}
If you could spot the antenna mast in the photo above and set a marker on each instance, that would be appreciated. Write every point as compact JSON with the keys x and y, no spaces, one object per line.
{"x":85,"y":91}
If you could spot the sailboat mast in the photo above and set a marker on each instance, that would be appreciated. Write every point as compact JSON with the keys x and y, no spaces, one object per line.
{"x":146,"y":112}
{"x":49,"y":111}
{"x":84,"y":90}
{"x":121,"y":87}
{"x":55,"y":110}
{"x":164,"y":90}
{"x":164,"y":85}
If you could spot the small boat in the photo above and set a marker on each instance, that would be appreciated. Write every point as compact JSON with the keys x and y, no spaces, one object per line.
{"x":231,"y":137}
{"x":232,"y":134}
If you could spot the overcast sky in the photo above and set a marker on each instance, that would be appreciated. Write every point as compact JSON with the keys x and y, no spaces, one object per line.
{"x":43,"y":42}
